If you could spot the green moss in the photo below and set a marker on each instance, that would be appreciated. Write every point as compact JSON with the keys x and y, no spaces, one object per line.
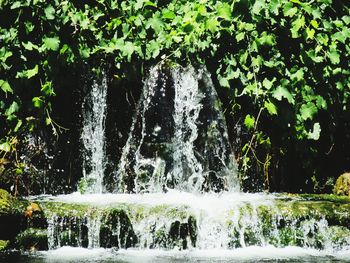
{"x":65,"y":209}
{"x":4,"y":244}
{"x":5,"y":201}
{"x":317,"y":197}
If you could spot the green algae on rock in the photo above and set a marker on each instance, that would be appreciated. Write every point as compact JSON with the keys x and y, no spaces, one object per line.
{"x":4,"y":244}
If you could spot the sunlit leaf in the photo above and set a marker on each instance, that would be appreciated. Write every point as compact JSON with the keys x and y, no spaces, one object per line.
{"x":249,"y":121}
{"x":52,"y":43}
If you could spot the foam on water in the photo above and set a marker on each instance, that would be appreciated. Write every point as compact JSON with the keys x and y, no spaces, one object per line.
{"x":247,"y":254}
{"x":211,"y":202}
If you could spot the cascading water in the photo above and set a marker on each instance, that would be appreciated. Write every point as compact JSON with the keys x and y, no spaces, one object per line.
{"x":175,"y":159}
{"x":93,"y":135}
{"x":178,"y":137}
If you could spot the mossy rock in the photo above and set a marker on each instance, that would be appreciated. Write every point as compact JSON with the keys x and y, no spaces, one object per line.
{"x":32,"y":239}
{"x":116,"y":230}
{"x":4,"y":244}
{"x":342,"y":185}
{"x":5,"y":202}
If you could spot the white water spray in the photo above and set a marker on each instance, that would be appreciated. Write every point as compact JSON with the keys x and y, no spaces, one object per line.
{"x":93,"y":135}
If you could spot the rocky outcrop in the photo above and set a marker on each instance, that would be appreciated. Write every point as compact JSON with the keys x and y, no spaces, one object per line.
{"x":342,"y":185}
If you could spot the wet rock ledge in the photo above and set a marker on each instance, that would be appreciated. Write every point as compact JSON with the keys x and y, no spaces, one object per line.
{"x":319,"y":221}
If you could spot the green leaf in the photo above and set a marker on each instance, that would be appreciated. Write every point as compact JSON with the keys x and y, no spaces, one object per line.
{"x":271,"y":108}
{"x":18,"y":126}
{"x":268,"y":83}
{"x":274,"y":6}
{"x":5,"y":147}
{"x":212,"y":24}
{"x":321,"y":103}
{"x":223,"y":82}
{"x":14,"y":107}
{"x":37,"y":102}
{"x":168,"y":14}
{"x":48,"y":121}
{"x":334,"y":57}
{"x":282,"y":92}
{"x":49,"y":12}
{"x":289,"y":10}
{"x":5,"y":86}
{"x":314,"y":23}
{"x":310,"y":33}
{"x":16,"y":5}
{"x":29,"y":46}
{"x":32,"y":72}
{"x":52,"y":43}
{"x":128,"y":49}
{"x":224,"y":11}
{"x":299,"y":23}
{"x":249,"y":121}
{"x":240,"y":36}
{"x":316,"y":132}
{"x":47,"y":89}
{"x":153,"y":49}
{"x":307,"y":111}
{"x":258,"y":6}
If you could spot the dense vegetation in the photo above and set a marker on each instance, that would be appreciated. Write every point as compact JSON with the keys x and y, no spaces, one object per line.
{"x":283,"y":68}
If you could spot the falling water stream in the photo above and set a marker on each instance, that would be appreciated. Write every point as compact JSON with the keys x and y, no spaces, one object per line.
{"x":93,"y":135}
{"x":168,"y":206}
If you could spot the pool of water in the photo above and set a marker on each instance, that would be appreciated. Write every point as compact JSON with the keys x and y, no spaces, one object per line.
{"x":242,"y":255}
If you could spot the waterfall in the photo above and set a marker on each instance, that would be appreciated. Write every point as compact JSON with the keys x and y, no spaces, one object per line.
{"x":93,"y":135}
{"x":178,"y":139}
{"x":225,"y":221}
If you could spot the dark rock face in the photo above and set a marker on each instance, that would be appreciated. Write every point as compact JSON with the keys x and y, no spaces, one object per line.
{"x":179,"y":137}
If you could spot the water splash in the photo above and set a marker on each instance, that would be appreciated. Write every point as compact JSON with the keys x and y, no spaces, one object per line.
{"x":93,"y":135}
{"x":178,"y":139}
{"x":182,"y":220}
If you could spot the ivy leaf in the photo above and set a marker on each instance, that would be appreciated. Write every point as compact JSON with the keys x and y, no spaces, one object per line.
{"x":37,"y":102}
{"x":267,"y":83}
{"x":49,"y":12}
{"x":321,"y":103}
{"x":5,"y":147}
{"x":258,"y":6}
{"x":14,"y":107}
{"x":310,"y":33}
{"x":274,"y":6}
{"x":316,"y":132}
{"x":308,"y":110}
{"x":5,"y":86}
{"x":271,"y":108}
{"x":128,"y":49}
{"x":240,"y":36}
{"x":168,"y":15}
{"x":282,"y":92}
{"x":289,"y":10}
{"x":52,"y":43}
{"x":224,"y":11}
{"x":28,"y":73}
{"x":334,"y":57}
{"x":223,"y":82}
{"x":18,"y":126}
{"x":29,"y":46}
{"x":249,"y":121}
{"x":153,"y":49}
{"x":47,"y":89}
{"x":314,"y":23}
{"x":32,"y":72}
{"x":212,"y":24}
